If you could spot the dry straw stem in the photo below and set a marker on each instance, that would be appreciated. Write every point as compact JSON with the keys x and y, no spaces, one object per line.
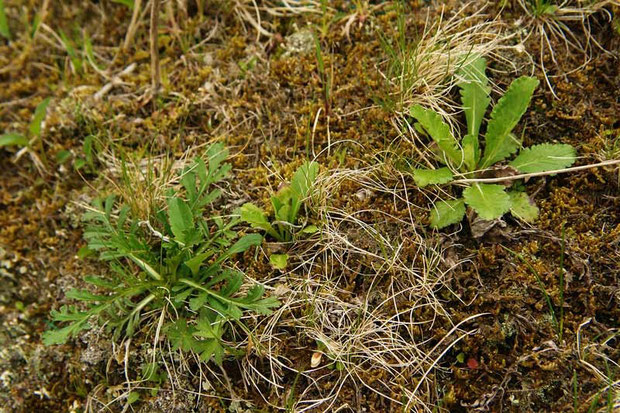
{"x":428,"y":65}
{"x":155,"y":75}
{"x":535,"y":174}
{"x":250,"y":11}
{"x":591,"y":354}
{"x":552,"y":27}
{"x":142,"y":183}
{"x":133,"y":24}
{"x":378,"y":332}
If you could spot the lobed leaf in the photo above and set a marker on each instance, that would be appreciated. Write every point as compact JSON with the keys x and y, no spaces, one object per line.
{"x":489,"y":201}
{"x":522,"y":206}
{"x":446,"y":213}
{"x":278,"y":261}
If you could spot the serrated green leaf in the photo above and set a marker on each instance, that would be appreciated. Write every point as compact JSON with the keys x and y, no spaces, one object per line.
{"x":544,"y":157}
{"x":439,"y":131}
{"x":522,"y":206}
{"x":256,"y":217}
{"x":278,"y":261}
{"x":446,"y":213}
{"x":181,"y":218}
{"x":181,"y":335}
{"x":475,"y":94}
{"x":61,"y":335}
{"x":424,"y":177}
{"x":504,"y":117}
{"x":85,"y":295}
{"x":197,"y":302}
{"x":489,"y":201}
{"x":13,"y":139}
{"x":235,"y":280}
{"x":39,"y":116}
{"x":99,"y":282}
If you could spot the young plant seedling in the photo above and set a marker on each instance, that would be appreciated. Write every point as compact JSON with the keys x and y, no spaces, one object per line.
{"x":34,"y":129}
{"x":182,"y":265}
{"x":466,"y":159}
{"x":286,"y":205}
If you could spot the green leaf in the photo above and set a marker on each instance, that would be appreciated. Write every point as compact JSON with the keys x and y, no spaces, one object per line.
{"x":4,"y":24}
{"x":475,"y":94}
{"x":85,"y":295}
{"x":76,"y":60}
{"x":439,"y":131}
{"x":62,"y":156}
{"x":278,"y":261}
{"x":310,"y":229}
{"x":544,"y":157}
{"x":489,"y":201}
{"x":301,"y":184}
{"x":245,"y":242}
{"x":181,"y":335}
{"x":424,"y":177}
{"x":13,"y":139}
{"x":39,"y":116}
{"x":61,"y":335}
{"x":504,"y":117}
{"x":256,"y":217}
{"x":195,"y":262}
{"x":446,"y":213}
{"x":133,"y":397}
{"x":180,"y":218}
{"x":471,"y":152}
{"x":127,"y":3}
{"x":522,"y":206}
{"x":100,"y":282}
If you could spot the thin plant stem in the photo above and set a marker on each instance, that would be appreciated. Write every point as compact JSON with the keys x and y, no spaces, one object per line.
{"x":155,"y":75}
{"x":531,"y":175}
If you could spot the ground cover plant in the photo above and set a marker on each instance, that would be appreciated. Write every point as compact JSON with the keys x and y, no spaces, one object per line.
{"x":186,"y":269}
{"x":224,"y":206}
{"x":286,"y":203}
{"x":490,"y":201}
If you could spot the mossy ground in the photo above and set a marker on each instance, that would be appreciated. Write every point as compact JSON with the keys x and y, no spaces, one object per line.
{"x":261,"y":100}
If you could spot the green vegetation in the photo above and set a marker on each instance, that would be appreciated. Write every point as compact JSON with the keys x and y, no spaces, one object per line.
{"x":286,"y":204}
{"x":466,"y":159}
{"x":293,"y":273}
{"x":177,"y":270}
{"x":34,"y":129}
{"x":4,"y":24}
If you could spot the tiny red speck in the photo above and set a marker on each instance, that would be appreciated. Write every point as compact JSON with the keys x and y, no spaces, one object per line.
{"x":472,"y":363}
